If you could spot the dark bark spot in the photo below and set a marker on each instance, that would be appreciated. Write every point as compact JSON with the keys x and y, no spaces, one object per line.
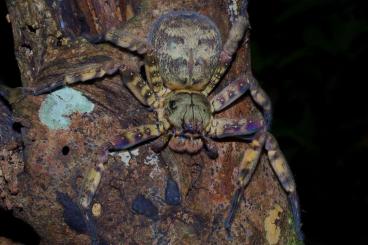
{"x":65,"y":150}
{"x":17,"y":126}
{"x":73,"y":216}
{"x":172,"y":193}
{"x":144,"y":206}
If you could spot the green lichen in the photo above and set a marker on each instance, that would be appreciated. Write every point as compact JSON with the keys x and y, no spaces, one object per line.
{"x":292,"y":238}
{"x":59,"y":105}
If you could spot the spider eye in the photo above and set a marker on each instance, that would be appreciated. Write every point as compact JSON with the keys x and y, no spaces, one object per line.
{"x":199,"y":61}
{"x":172,"y":104}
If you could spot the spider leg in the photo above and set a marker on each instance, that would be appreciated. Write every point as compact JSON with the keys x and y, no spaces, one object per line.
{"x":209,"y":147}
{"x":128,"y":139}
{"x":236,"y":89}
{"x":90,"y":184}
{"x":283,"y":173}
{"x":246,"y":169}
{"x":136,"y":136}
{"x":239,"y":27}
{"x":281,"y":169}
{"x":159,"y":144}
{"x":140,"y":88}
{"x":63,"y":72}
{"x":122,"y":38}
{"x":153,"y":74}
{"x":223,"y":127}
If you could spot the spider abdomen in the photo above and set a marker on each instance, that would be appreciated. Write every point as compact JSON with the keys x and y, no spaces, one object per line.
{"x":187,"y":47}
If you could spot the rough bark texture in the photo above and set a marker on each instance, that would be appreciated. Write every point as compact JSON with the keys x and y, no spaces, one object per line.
{"x":41,"y":170}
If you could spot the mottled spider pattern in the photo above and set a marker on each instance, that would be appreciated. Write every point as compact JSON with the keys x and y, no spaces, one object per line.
{"x":184,"y":60}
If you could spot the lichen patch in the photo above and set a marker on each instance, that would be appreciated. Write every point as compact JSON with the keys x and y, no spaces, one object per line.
{"x":135,"y":152}
{"x":59,"y":105}
{"x":153,"y":160}
{"x":125,"y":157}
{"x":272,"y":229}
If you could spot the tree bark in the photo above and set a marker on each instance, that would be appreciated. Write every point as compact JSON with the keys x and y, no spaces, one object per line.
{"x":41,"y":170}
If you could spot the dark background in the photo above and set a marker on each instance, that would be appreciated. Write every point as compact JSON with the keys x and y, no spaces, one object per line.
{"x":310,"y":56}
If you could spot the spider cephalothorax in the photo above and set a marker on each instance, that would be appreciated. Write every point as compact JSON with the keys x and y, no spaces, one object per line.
{"x":184,"y":60}
{"x":189,"y":114}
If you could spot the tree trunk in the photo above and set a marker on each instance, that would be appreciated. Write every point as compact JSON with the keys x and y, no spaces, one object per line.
{"x":41,"y":171}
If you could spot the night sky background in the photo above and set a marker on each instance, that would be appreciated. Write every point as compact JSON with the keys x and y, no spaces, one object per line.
{"x":310,"y":57}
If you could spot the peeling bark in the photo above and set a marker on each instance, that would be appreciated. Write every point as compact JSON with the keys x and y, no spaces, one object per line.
{"x":41,"y":175}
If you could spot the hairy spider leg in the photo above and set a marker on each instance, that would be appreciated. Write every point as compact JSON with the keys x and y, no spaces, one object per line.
{"x":246,"y":169}
{"x":236,"y":33}
{"x":284,"y":175}
{"x":136,"y":136}
{"x":159,"y":144}
{"x":223,"y":127}
{"x":210,"y":147}
{"x":121,"y":38}
{"x":153,"y":74}
{"x":90,"y":184}
{"x":279,"y":165}
{"x":79,"y":71}
{"x":144,"y":93}
{"x":140,"y":88}
{"x":236,"y":89}
{"x":124,"y":39}
{"x":128,"y":139}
